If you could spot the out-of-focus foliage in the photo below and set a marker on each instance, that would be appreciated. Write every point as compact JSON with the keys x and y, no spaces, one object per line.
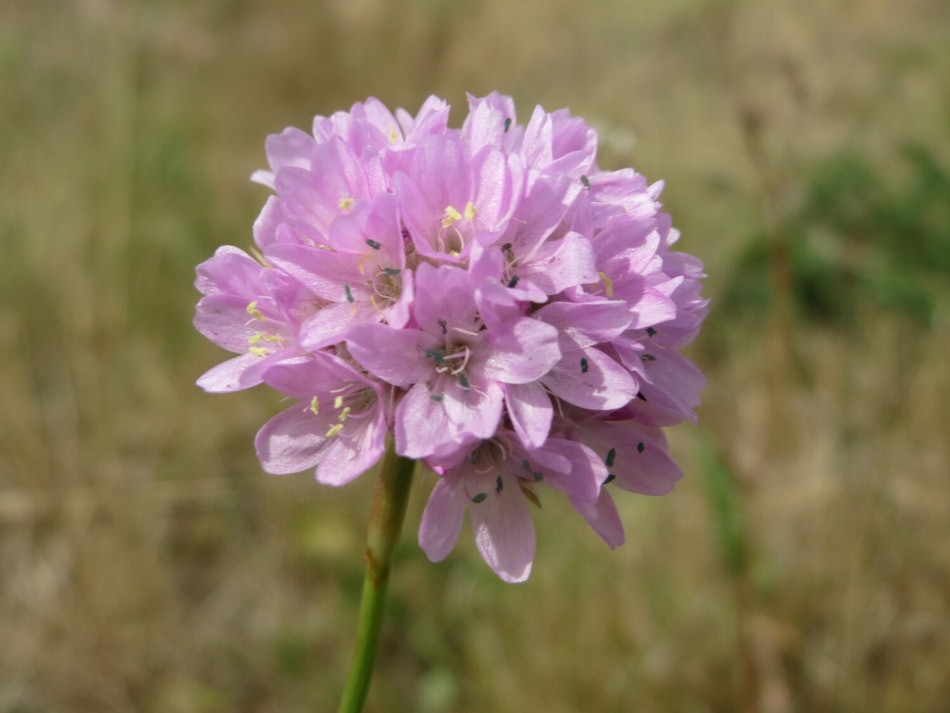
{"x":863,"y":235}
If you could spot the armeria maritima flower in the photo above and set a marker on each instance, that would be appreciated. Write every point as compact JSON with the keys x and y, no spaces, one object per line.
{"x":507,"y":311}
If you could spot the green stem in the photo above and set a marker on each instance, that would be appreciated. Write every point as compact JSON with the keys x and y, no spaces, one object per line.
{"x":385,"y":521}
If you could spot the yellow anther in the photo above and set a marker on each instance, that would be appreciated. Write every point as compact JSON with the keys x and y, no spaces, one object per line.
{"x":259,"y":351}
{"x":334,"y":430}
{"x":451,"y":216}
{"x":255,"y":338}
{"x":338,"y":402}
{"x":315,"y":405}
{"x":254,"y":311}
{"x":344,"y":413}
{"x":469,"y":211}
{"x":393,"y":134}
{"x":274,"y":338}
{"x":608,"y":284}
{"x":346,"y":203}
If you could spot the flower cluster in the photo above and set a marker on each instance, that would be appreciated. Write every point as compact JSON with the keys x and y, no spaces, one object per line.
{"x":508,"y":312}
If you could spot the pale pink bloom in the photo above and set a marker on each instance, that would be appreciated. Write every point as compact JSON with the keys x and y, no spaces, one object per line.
{"x":486,"y":296}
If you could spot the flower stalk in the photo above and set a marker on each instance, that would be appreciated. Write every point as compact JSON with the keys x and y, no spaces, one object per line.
{"x":387,"y":512}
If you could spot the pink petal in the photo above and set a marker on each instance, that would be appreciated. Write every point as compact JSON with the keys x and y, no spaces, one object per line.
{"x":442,"y":520}
{"x":601,"y":514}
{"x":521,"y":351}
{"x":530,"y":410}
{"x":292,"y":441}
{"x":504,"y":532}
{"x":561,"y":264}
{"x":352,"y":452}
{"x":475,"y":411}
{"x":590,"y":379}
{"x":232,"y":375}
{"x":422,"y":425}
{"x":396,"y":356}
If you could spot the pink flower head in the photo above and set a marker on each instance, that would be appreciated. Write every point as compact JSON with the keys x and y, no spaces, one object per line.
{"x":485,"y":296}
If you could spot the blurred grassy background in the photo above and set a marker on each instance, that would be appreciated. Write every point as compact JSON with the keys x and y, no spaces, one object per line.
{"x":803,"y":564}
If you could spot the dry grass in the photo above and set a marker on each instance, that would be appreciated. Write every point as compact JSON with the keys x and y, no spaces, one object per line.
{"x":149,"y":566}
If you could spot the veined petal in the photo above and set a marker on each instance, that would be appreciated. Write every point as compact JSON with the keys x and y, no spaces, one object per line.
{"x":442,"y":520}
{"x":587,"y":470}
{"x":291,"y":147}
{"x":520,"y":351}
{"x":304,"y":376}
{"x":530,"y":410}
{"x":635,"y":453}
{"x":225,"y":321}
{"x":330,"y":325}
{"x":587,"y":323}
{"x":235,"y":374}
{"x":590,"y":379}
{"x":353,"y":451}
{"x":673,"y":388}
{"x":396,"y":356}
{"x":422,"y":425}
{"x":292,"y":441}
{"x":474,"y":411}
{"x":561,"y":264}
{"x":601,"y":514}
{"x":504,"y":532}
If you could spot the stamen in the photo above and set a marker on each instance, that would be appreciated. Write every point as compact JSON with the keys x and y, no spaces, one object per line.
{"x":437,"y":355}
{"x":255,"y":312}
{"x":334,"y":430}
{"x":584,"y":365}
{"x":315,"y":406}
{"x":451,"y":216}
{"x":469,"y":332}
{"x":611,"y":454}
{"x":349,"y":294}
{"x":507,"y":124}
{"x":373,"y":244}
{"x":480,"y":497}
{"x":608,"y":284}
{"x":640,"y":447}
{"x":466,"y":353}
{"x":346,"y":203}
